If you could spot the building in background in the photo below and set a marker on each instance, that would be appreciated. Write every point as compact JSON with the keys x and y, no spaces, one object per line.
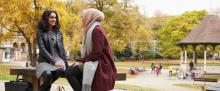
{"x":14,"y":49}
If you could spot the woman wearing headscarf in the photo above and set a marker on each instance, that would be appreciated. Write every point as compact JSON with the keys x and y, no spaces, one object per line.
{"x":52,"y":57}
{"x":96,"y":64}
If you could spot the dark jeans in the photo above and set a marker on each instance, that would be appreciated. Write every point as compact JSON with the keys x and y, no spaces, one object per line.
{"x":74,"y":77}
{"x":49,"y":77}
{"x":170,"y":73}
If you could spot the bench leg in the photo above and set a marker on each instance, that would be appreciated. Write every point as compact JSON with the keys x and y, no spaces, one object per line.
{"x":204,"y":87}
{"x":32,"y":80}
{"x":35,"y":84}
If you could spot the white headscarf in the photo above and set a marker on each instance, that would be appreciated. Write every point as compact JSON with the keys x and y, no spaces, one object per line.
{"x":91,"y":18}
{"x":91,"y":15}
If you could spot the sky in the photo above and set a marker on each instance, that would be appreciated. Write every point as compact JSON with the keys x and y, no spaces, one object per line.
{"x":175,"y":7}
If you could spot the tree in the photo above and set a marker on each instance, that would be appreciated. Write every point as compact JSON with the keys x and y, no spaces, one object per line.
{"x":73,"y":27}
{"x":156,"y":22}
{"x":23,"y":17}
{"x":102,"y":4}
{"x":125,"y":25}
{"x":175,"y":29}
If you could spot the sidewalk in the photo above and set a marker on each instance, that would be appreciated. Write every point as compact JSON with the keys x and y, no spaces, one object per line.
{"x":162,"y":82}
{"x":2,"y":85}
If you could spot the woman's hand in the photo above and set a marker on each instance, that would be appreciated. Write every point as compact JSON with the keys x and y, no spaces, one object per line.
{"x":77,"y":63}
{"x":60,"y":64}
{"x":81,"y":60}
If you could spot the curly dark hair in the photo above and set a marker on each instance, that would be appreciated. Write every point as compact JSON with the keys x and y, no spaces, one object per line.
{"x":43,"y":23}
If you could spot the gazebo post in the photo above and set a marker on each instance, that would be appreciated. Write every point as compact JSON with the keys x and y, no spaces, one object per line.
{"x":205,"y":51}
{"x":185,"y":59}
{"x":194,"y":54}
{"x":181,"y":61}
{"x":181,"y":56}
{"x":213,"y":53}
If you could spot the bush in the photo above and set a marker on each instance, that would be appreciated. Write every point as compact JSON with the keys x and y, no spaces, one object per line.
{"x":148,"y":54}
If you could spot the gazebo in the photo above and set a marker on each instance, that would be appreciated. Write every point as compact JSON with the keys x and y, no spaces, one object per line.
{"x":206,"y":33}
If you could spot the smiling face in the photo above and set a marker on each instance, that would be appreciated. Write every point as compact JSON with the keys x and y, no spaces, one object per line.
{"x":52,"y":20}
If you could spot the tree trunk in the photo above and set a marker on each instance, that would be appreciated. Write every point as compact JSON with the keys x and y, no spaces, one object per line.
{"x":34,"y":60}
{"x":28,"y":40}
{"x":30,"y":56}
{"x":34,"y":55}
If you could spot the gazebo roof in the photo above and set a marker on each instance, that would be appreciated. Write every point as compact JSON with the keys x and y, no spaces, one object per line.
{"x":206,"y":32}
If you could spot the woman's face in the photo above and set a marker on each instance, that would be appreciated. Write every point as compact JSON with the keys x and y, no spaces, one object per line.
{"x":52,"y":19}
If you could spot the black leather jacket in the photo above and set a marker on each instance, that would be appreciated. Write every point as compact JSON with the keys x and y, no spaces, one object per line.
{"x":45,"y":50}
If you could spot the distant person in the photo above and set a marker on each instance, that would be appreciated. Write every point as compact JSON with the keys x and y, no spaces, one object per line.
{"x":191,"y":65}
{"x":152,"y":68}
{"x":170,"y":68}
{"x":157,"y":69}
{"x":161,"y":66}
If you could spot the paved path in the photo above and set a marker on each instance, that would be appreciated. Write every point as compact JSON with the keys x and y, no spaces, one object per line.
{"x":161,"y":82}
{"x":2,"y":86}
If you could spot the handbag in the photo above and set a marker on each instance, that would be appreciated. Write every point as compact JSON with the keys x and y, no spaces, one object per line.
{"x":18,"y":85}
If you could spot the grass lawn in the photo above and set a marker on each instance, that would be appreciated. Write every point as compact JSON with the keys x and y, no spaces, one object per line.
{"x":134,"y":88}
{"x":194,"y":86}
{"x":212,"y":76}
{"x":4,"y":72}
{"x":117,"y":86}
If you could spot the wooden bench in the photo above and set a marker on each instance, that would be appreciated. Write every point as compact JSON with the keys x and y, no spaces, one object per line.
{"x":204,"y":87}
{"x":206,"y":79}
{"x":211,"y":74}
{"x":29,"y":74}
{"x":213,"y":87}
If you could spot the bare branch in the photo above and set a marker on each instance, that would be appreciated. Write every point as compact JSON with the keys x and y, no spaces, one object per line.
{"x":30,"y":18}
{"x":4,"y":26}
{"x":22,"y":32}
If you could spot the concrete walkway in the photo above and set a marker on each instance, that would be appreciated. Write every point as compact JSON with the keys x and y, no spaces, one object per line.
{"x":2,"y":85}
{"x":161,"y":82}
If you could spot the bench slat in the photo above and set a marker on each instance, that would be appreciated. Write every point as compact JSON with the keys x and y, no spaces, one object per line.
{"x":121,"y":77}
{"x":199,"y":79}
{"x":206,"y":79}
{"x":211,"y":80}
{"x":31,"y":71}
